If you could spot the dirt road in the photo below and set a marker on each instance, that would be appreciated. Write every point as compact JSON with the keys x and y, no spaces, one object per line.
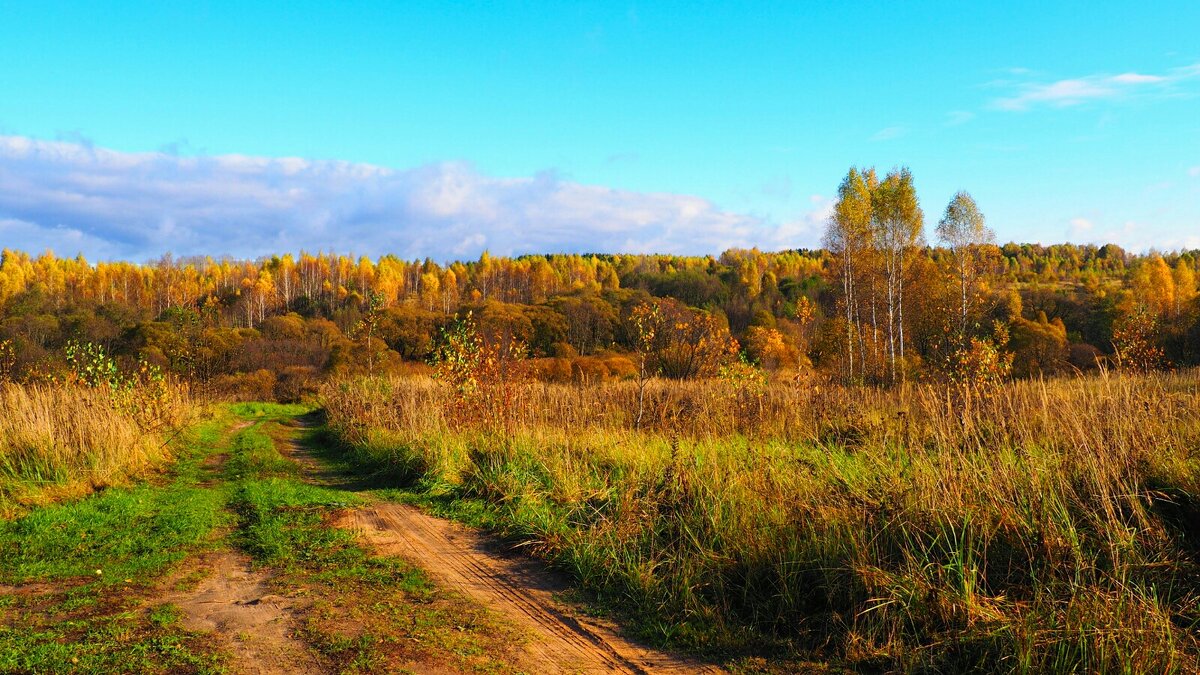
{"x":520,"y":589}
{"x":233,"y":603}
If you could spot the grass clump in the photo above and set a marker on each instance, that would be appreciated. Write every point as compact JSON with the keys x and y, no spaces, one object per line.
{"x":58,"y":441}
{"x":1031,"y":527}
{"x":282,"y":521}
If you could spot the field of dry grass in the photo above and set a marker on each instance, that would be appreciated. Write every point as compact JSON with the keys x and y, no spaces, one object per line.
{"x":61,"y":440}
{"x":1035,"y":526}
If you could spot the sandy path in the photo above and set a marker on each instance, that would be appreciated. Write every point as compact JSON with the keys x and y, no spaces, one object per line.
{"x":235,"y":604}
{"x":519,"y":589}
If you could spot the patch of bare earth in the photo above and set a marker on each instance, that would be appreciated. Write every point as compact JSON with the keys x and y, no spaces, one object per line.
{"x":519,"y":589}
{"x":32,"y":588}
{"x":258,"y":628}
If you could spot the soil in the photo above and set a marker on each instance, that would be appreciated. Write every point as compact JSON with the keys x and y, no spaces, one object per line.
{"x":234,"y":603}
{"x":519,"y":589}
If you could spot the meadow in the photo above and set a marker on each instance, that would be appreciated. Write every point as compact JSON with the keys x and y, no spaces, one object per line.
{"x":1044,"y":525}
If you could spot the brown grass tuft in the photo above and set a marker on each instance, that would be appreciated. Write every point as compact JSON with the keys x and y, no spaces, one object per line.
{"x":61,"y":440}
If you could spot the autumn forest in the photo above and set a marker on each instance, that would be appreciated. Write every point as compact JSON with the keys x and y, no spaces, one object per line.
{"x":884,"y":301}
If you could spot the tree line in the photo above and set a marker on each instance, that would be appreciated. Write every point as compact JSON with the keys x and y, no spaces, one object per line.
{"x":882,"y":302}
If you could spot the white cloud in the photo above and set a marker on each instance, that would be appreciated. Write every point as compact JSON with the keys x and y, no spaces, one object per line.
{"x":1077,"y":91}
{"x":1080,"y":228}
{"x":108,"y":204}
{"x":1137,"y":78}
{"x":1061,"y":93}
{"x":957,"y":117}
{"x":1194,"y":172}
{"x":889,"y":133}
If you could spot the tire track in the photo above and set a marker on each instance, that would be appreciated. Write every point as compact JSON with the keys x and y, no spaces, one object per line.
{"x":520,"y":590}
{"x":516,"y":587}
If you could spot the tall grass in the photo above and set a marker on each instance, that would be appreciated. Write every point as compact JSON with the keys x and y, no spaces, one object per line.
{"x":1038,"y":526}
{"x":61,"y":440}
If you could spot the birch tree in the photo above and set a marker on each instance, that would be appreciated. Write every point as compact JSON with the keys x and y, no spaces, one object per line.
{"x":964,"y":229}
{"x":897,"y":225}
{"x":847,"y":236}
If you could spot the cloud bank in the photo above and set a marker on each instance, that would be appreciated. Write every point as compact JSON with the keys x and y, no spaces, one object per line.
{"x":75,"y":197}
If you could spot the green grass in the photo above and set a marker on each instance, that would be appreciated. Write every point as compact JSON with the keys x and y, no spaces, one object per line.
{"x":98,"y":563}
{"x":126,"y":533}
{"x":268,"y":411}
{"x":252,"y":456}
{"x":115,"y":641}
{"x":100,"y":558}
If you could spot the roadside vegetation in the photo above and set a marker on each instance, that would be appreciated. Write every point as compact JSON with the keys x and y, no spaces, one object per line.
{"x":93,"y":427}
{"x":1044,"y":526}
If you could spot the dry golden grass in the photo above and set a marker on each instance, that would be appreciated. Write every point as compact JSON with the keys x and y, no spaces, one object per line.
{"x":59,"y":440}
{"x":1033,"y":527}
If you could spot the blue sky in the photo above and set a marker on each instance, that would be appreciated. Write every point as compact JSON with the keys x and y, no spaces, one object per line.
{"x":440,"y":129}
